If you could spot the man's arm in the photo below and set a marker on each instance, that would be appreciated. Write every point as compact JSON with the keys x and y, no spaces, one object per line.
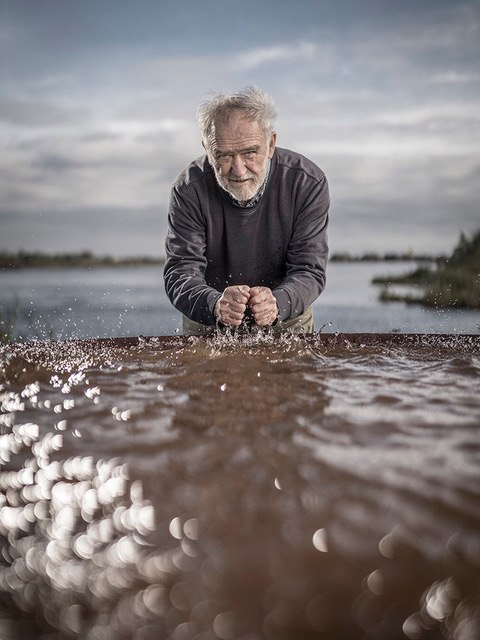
{"x":184,"y":272}
{"x":306,"y":256}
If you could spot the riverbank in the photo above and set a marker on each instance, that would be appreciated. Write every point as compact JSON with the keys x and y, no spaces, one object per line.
{"x":454,"y":282}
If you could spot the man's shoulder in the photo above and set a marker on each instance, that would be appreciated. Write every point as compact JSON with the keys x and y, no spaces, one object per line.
{"x":196,"y":172}
{"x":293,"y":161}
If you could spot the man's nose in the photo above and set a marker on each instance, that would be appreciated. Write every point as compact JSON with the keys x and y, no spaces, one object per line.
{"x":238,"y":166}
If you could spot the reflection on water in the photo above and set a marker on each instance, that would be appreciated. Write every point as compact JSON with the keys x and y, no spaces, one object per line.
{"x":323,"y":487}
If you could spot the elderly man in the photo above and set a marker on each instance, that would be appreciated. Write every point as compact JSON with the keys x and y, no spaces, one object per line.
{"x":247,"y":237}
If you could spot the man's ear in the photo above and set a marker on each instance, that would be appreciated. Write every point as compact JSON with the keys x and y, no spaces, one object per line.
{"x":271,"y":146}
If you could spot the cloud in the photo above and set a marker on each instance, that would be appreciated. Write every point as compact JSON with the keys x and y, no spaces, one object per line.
{"x":277,"y":53}
{"x":387,"y":105}
{"x":454,"y":77}
{"x":26,"y":113}
{"x":113,"y":161}
{"x":136,"y":128}
{"x":124,"y":231}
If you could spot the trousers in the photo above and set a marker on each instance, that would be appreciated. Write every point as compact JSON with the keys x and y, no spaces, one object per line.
{"x":301,"y":324}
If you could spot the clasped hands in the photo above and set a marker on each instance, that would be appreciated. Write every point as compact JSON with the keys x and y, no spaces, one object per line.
{"x":233,"y":303}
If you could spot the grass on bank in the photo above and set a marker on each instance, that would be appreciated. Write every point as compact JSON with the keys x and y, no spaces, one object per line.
{"x":454,"y":282}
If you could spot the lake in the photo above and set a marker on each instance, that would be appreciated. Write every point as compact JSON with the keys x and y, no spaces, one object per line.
{"x":114,"y":302}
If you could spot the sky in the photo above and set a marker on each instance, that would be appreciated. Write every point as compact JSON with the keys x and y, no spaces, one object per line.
{"x":98,"y":102}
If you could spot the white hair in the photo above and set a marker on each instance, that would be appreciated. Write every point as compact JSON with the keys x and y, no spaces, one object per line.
{"x":256,"y":103}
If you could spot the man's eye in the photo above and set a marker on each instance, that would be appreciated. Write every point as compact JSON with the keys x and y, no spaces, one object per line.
{"x":250,"y":155}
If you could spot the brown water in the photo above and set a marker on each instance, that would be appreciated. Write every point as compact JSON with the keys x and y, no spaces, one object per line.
{"x":297,"y":488}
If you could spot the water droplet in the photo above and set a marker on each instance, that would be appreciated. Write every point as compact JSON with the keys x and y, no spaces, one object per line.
{"x":320,"y":540}
{"x":190,"y":528}
{"x":375,"y":582}
{"x":386,"y":546}
{"x":175,"y":528}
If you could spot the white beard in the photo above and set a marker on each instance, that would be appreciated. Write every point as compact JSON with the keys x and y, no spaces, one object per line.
{"x":246,"y":187}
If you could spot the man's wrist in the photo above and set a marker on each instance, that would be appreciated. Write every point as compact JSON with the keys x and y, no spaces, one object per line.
{"x":276,"y":317}
{"x":216,"y":309}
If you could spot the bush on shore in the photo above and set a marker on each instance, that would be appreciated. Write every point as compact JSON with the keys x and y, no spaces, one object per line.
{"x":454,"y":282}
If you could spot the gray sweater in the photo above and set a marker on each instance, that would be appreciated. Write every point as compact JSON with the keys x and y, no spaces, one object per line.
{"x":280,"y":243}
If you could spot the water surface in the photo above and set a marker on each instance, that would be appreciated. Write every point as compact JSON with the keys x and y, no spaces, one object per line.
{"x":321,"y":487}
{"x":131,"y":301}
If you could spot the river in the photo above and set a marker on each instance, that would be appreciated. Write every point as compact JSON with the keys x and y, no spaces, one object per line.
{"x":113,"y":302}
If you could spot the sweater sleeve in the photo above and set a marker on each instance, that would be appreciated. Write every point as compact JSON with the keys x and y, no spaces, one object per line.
{"x":184,"y":272}
{"x":307,"y":254}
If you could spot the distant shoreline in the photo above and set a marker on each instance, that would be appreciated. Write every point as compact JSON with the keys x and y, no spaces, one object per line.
{"x":87,"y":260}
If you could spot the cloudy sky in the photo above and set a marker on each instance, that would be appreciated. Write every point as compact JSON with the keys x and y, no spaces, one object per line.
{"x":98,"y":101}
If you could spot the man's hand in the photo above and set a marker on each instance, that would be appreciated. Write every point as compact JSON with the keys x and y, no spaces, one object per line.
{"x":230,"y":308}
{"x":263,"y":304}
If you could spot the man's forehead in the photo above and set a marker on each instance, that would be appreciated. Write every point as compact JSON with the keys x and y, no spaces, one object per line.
{"x":237,"y":129}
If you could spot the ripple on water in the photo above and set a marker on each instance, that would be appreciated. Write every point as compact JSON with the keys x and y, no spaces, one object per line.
{"x":240,"y":487}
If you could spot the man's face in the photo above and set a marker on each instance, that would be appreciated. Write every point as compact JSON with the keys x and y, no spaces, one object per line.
{"x":239,"y":155}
